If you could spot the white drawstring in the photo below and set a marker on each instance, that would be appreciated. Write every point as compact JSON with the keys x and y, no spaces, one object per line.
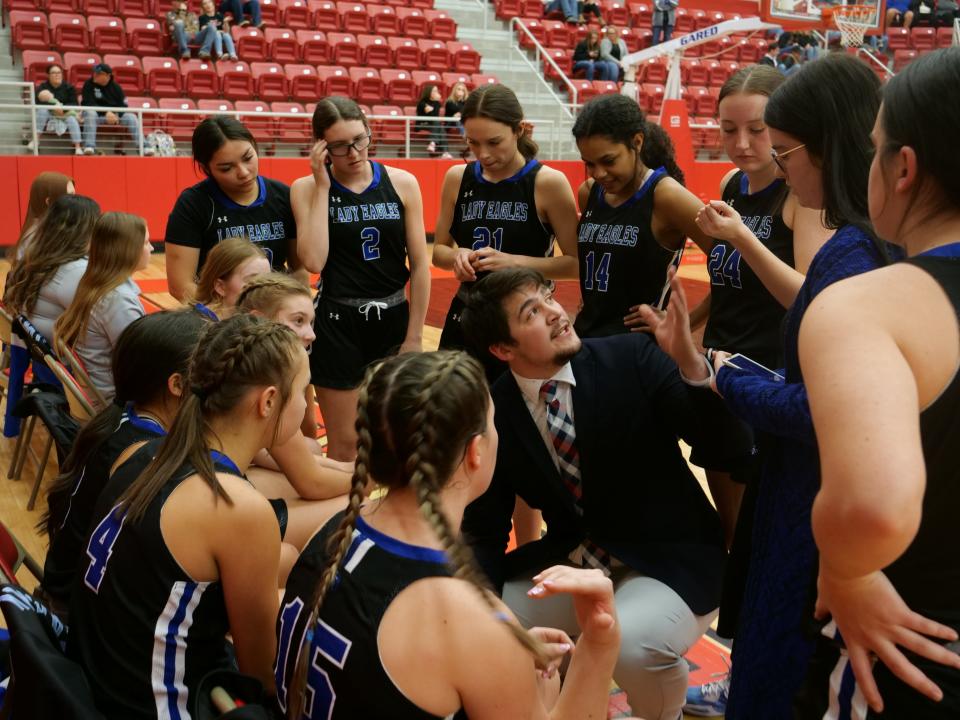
{"x":373,"y":304}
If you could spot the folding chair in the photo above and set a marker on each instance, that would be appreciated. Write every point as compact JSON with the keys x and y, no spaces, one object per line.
{"x":13,"y":556}
{"x":75,"y":367}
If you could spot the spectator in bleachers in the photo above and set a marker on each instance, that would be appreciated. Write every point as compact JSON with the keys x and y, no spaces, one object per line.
{"x":45,"y":188}
{"x":222,"y":41}
{"x":238,"y":8}
{"x":184,"y":28}
{"x":586,"y":57}
{"x":589,"y":8}
{"x":664,"y":14}
{"x":567,"y":7}
{"x":429,"y":106}
{"x":899,"y":14}
{"x":770,"y":57}
{"x":55,"y":93}
{"x":455,"y":100}
{"x":613,"y":49}
{"x":102,"y":91}
{"x":790,"y":60}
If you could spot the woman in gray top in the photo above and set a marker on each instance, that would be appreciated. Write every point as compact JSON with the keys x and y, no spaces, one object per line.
{"x":613,"y":49}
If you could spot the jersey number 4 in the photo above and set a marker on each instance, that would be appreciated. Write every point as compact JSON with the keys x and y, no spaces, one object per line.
{"x":724,"y":267}
{"x":371,"y":243}
{"x":484,"y":237}
{"x":100,"y":547}
{"x":596,"y":274}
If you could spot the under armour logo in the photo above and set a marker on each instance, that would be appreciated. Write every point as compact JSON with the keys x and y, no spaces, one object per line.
{"x":222,"y":219}
{"x":468,"y":193}
{"x":334,"y":316}
{"x":335,"y":198}
{"x":588,"y":213}
{"x":455,"y":317}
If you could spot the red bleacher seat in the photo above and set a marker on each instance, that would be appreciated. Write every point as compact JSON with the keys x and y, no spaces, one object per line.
{"x":422,"y":78}
{"x":282,"y":44}
{"x":422,"y":4}
{"x":384,"y":20}
{"x":367,"y":86}
{"x":66,"y":6}
{"x":399,"y":87}
{"x":684,"y":21}
{"x":292,"y":129}
{"x":236,"y":80}
{"x":563,"y":59}
{"x":700,"y":101}
{"x":26,"y":5}
{"x":375,"y":51}
{"x":295,"y":13}
{"x":442,"y":26}
{"x":137,"y":8}
{"x":921,"y":38}
{"x":389,"y":132}
{"x":30,"y":30}
{"x":748,"y":52}
{"x":270,"y":80}
{"x":127,"y":71}
{"x":200,"y":79}
{"x":531,"y":9}
{"x":36,"y":62}
{"x":163,"y":77}
{"x":651,"y":97}
{"x":479,"y":79}
{"x":537,"y":29}
{"x":944,"y":37}
{"x":902,"y":58}
{"x":585,"y":90}
{"x":251,"y":43}
{"x":406,"y":54}
{"x":270,"y":12}
{"x":313,"y":46}
{"x":151,"y":121}
{"x":654,"y":71}
{"x":262,"y":127}
{"x":700,"y":19}
{"x":506,"y":9}
{"x":606,"y":87}
{"x":344,"y":49}
{"x":107,"y":34}
{"x":353,"y":17}
{"x":451,"y":78}
{"x":557,"y":33}
{"x":898,"y":38}
{"x":180,"y":126}
{"x":69,"y":31}
{"x":146,"y":36}
{"x":325,"y":16}
{"x":465,"y":59}
{"x":641,"y":15}
{"x":336,"y":80}
{"x":413,"y":22}
{"x":304,"y":82}
{"x":696,"y":72}
{"x":615,"y":13}
{"x":719,"y":72}
{"x":434,"y":55}
{"x":214,"y":107}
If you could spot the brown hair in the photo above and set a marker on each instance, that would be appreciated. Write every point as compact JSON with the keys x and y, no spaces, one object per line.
{"x":115,"y":250}
{"x":330,"y":110}
{"x":453,"y":89}
{"x":221,"y":263}
{"x":499,"y":103}
{"x":231,"y":357}
{"x":45,"y":188}
{"x":416,"y":413}
{"x":265,"y":293}
{"x":62,"y":236}
{"x":752,"y":80}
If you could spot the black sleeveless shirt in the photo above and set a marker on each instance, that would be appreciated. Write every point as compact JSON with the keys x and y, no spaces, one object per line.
{"x":621,"y":262}
{"x":346,"y":679}
{"x":744,"y":316}
{"x":368,"y":240}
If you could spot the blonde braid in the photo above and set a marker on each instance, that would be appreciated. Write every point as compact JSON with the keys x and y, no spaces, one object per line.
{"x":265,"y":292}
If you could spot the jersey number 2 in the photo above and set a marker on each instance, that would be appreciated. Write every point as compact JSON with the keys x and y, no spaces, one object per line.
{"x":371,"y":243}
{"x":725,"y":266}
{"x":100,"y":547}
{"x":598,"y":276}
{"x":484,"y":237}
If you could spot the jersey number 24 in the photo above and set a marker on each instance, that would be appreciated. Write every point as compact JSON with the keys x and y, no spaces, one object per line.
{"x":724,"y":267}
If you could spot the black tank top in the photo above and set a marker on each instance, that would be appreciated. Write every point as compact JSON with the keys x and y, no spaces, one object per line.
{"x":621,"y":262}
{"x":744,"y":316}
{"x":500,"y":214}
{"x":347,"y":680}
{"x":927,"y":575}
{"x":368,"y":240}
{"x":144,"y":631}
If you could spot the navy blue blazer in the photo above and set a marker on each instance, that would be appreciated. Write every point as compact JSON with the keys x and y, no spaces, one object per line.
{"x":640,"y":500}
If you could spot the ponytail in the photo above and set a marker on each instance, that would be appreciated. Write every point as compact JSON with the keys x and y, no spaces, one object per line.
{"x":658,"y":151}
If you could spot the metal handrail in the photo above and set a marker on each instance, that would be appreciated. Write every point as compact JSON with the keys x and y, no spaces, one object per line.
{"x":542,"y":52}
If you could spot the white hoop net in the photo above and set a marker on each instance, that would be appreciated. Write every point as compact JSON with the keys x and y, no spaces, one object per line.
{"x":853,"y":21}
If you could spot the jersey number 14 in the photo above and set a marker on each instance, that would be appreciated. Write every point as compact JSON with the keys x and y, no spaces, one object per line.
{"x":596,"y":274}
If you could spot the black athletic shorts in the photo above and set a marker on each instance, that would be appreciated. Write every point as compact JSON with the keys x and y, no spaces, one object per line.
{"x":279,"y":506}
{"x":349,"y":340}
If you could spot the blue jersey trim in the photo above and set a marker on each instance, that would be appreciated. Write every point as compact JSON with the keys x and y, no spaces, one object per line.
{"x":530,"y":165}
{"x":170,"y":651}
{"x":398,"y":547}
{"x":144,"y":423}
{"x":372,"y":186}
{"x":220,"y":458}
{"x":951,"y":250}
{"x":745,"y":187}
{"x":227,"y":202}
{"x":638,"y":195}
{"x":206,"y":312}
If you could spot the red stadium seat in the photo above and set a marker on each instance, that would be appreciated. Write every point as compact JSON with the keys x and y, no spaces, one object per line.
{"x":684,"y":21}
{"x":127,"y":71}
{"x":506,"y":9}
{"x":353,"y":17}
{"x":902,"y":58}
{"x":700,"y":19}
{"x":479,"y":79}
{"x":251,"y":43}
{"x":563,"y":59}
{"x":898,"y":38}
{"x":413,"y":22}
{"x":136,"y":8}
{"x":304,"y":82}
{"x":700,"y":101}
{"x":313,"y":46}
{"x":944,"y":37}
{"x":532,"y":9}
{"x":450,"y":79}
{"x":399,"y":87}
{"x":163,"y":77}
{"x":200,"y":79}
{"x":557,"y":33}
{"x":367,"y":86}
{"x":537,"y":29}
{"x":292,"y":129}
{"x":30,"y":30}
{"x":585,"y":90}
{"x":25,"y":5}
{"x":282,"y":44}
{"x":406,"y":54}
{"x":615,"y":13}
{"x":180,"y":126}
{"x":107,"y":34}
{"x":641,"y":15}
{"x":145,"y":36}
{"x":651,"y":97}
{"x":36,"y":62}
{"x":270,"y":13}
{"x":606,"y":87}
{"x":921,"y":38}
{"x":263,"y":128}
{"x":422,"y":78}
{"x":654,"y":71}
{"x":295,"y":13}
{"x":270,"y":80}
{"x":344,"y":49}
{"x":325,"y":15}
{"x":151,"y":121}
{"x":389,"y":132}
{"x":236,"y":81}
{"x":697,"y":72}
{"x":441,"y":25}
{"x":465,"y":58}
{"x":422,"y":4}
{"x":384,"y":20}
{"x":434,"y":55}
{"x":634,"y":39}
{"x":69,"y":31}
{"x":336,"y":80}
{"x":214,"y":107}
{"x":65,"y":6}
{"x":375,"y":51}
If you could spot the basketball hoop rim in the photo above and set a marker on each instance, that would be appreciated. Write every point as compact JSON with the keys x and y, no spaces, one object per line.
{"x":851,"y":21}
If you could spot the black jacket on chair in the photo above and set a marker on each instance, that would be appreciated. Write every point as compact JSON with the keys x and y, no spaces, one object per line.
{"x":640,"y":501}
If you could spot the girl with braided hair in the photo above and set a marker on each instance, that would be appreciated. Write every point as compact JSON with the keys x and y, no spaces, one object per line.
{"x":187,"y":550}
{"x":385,"y":614}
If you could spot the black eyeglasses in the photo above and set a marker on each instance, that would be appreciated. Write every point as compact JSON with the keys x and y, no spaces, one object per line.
{"x":778,"y":157}
{"x":343,"y":149}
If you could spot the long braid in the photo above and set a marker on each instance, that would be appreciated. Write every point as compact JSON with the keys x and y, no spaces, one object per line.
{"x":265,"y":293}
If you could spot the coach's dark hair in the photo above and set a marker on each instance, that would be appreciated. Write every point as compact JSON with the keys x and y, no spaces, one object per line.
{"x":752,"y":80}
{"x":331,"y":110}
{"x":231,"y":357}
{"x":830,"y":105}
{"x":213,"y":133}
{"x":620,"y":119}
{"x":499,"y":103}
{"x":484,"y":319}
{"x":921,"y":108}
{"x":416,"y":414}
{"x":148,"y":352}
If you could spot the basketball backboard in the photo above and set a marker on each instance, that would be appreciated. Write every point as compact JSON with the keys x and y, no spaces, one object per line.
{"x":817,"y":14}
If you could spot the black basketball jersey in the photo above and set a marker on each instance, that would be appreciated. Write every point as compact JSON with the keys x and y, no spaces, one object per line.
{"x":502,"y":215}
{"x":368,"y":240}
{"x":144,"y":631}
{"x":744,"y":316}
{"x":66,"y":554}
{"x":927,"y":575}
{"x":346,"y":680}
{"x":621,"y":262}
{"x":204,"y":216}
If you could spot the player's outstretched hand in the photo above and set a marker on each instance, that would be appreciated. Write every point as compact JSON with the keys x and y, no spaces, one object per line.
{"x":592,"y":595}
{"x":719,"y":220}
